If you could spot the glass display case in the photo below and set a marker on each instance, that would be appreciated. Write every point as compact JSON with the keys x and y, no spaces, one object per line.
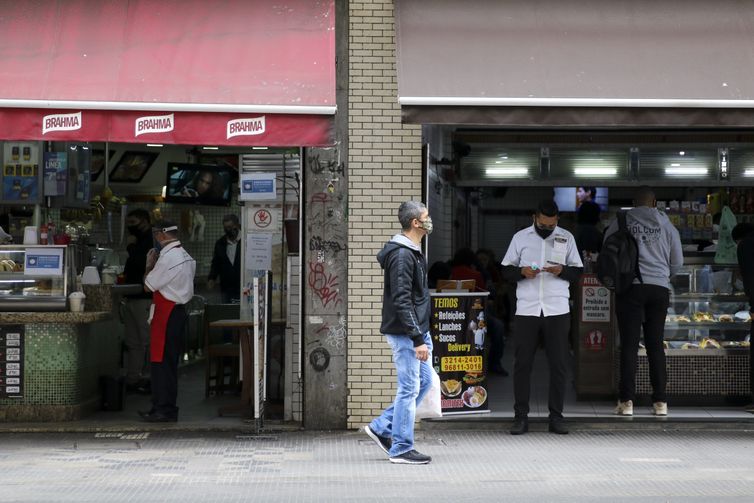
{"x":708,"y":308}
{"x":34,"y":277}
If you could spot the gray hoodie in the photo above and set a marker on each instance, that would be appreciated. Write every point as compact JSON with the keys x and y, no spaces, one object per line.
{"x":660,"y":251}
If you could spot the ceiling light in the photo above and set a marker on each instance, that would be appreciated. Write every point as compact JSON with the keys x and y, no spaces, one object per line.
{"x":749,"y":172}
{"x":154,"y":144}
{"x":595,"y":171}
{"x":258,"y":148}
{"x":498,"y":162}
{"x":209,"y":148}
{"x":681,"y":153}
{"x":676,"y":164}
{"x":507,"y":172}
{"x":686,"y":171}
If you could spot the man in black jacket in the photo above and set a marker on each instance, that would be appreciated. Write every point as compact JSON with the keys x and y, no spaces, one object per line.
{"x":226,"y":261}
{"x":136,"y":311}
{"x":405,"y":324}
{"x":743,"y":235}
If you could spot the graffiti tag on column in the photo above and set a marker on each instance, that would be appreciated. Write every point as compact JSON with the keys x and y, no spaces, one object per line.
{"x":317,"y":243}
{"x":336,"y":336}
{"x":318,"y":166}
{"x":324,"y":285}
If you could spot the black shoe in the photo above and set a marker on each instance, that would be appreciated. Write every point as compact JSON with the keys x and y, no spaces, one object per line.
{"x":520,"y":426}
{"x":558,"y":426}
{"x":383,"y":443}
{"x":411,"y":458}
{"x":156,"y":417}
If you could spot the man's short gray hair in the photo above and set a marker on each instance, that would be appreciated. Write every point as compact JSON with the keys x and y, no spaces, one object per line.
{"x":408,"y":211}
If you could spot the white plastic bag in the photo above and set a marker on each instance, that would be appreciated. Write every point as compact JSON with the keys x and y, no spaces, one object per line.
{"x":430,"y":406}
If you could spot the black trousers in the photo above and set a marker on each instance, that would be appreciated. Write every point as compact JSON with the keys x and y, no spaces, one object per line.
{"x":527,"y":333}
{"x":165,"y":373}
{"x":643,"y":306}
{"x":751,"y":361}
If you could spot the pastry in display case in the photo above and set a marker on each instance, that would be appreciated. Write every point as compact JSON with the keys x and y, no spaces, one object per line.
{"x":34,"y":277}
{"x":708,"y":309}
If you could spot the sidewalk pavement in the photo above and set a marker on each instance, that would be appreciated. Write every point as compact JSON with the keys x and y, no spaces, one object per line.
{"x":469,"y":466}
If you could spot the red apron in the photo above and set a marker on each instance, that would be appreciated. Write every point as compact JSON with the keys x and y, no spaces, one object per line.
{"x":158,"y":328}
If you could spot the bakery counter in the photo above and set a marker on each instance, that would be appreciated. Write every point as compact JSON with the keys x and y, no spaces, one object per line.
{"x":61,"y":317}
{"x":51,"y":363}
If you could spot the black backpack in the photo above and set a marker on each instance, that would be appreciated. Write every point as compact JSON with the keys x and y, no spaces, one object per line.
{"x":618,"y":261}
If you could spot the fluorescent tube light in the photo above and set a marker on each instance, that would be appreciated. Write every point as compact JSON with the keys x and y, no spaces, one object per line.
{"x":210,"y":148}
{"x":749,"y":172}
{"x":154,"y":144}
{"x":507,"y":172}
{"x":686,"y":171}
{"x":258,"y":148}
{"x":595,"y":171}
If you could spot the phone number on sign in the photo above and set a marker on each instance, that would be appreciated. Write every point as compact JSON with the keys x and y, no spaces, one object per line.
{"x":461,"y":363}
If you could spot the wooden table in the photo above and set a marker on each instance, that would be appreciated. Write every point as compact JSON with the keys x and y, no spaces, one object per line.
{"x":245,"y":333}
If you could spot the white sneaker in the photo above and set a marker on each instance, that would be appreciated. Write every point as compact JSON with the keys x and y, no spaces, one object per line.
{"x":660,"y":408}
{"x":625,"y":408}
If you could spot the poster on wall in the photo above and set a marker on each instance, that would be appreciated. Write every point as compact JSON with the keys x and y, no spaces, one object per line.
{"x":21,"y":172}
{"x":459,"y":337}
{"x":12,"y":361}
{"x":55,"y":173}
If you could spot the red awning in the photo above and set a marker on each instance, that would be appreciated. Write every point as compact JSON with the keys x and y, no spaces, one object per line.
{"x":185,"y":70}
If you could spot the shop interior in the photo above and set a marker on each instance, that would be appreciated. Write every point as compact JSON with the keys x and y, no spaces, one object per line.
{"x":78,"y":195}
{"x":483,"y":186}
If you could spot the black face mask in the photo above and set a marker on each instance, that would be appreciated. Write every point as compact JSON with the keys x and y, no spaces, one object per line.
{"x":543,"y":233}
{"x":231,"y":233}
{"x":134,"y":229}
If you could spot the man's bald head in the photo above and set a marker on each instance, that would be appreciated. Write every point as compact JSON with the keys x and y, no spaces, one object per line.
{"x":645,"y":196}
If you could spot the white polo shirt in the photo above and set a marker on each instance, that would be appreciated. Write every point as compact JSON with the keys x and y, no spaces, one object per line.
{"x":546,"y":293}
{"x":173,"y":274}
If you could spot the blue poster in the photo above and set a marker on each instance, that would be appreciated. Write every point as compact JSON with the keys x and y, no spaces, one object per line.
{"x":55,"y":169}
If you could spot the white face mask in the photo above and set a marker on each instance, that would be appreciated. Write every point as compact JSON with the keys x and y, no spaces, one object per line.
{"x":427,"y":225}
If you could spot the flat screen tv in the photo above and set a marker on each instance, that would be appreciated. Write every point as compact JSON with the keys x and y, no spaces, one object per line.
{"x":198,"y":184}
{"x":571,"y":198}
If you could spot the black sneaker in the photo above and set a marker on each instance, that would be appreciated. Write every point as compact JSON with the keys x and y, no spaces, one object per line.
{"x":384,"y":443}
{"x":520,"y":426}
{"x":411,"y":457}
{"x":558,"y":426}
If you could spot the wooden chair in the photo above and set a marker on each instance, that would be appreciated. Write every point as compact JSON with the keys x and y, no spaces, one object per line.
{"x":222,"y":358}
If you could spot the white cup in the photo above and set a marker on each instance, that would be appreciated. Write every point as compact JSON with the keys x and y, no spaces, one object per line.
{"x":30,"y":235}
{"x":76,"y":302}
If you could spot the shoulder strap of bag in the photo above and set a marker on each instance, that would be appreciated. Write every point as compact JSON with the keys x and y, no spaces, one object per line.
{"x":623,"y":226}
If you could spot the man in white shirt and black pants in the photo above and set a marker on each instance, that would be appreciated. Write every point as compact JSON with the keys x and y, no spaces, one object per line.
{"x":170,"y":277}
{"x":542,"y":259}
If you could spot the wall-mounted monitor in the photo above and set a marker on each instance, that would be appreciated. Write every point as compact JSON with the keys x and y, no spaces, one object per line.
{"x":571,"y":198}
{"x":198,"y":184}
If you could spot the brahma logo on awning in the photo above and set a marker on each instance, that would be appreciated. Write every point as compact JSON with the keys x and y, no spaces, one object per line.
{"x":61,"y":122}
{"x":246,"y":127}
{"x":154,"y":124}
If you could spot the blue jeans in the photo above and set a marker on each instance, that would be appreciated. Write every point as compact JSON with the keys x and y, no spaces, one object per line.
{"x":414,"y":380}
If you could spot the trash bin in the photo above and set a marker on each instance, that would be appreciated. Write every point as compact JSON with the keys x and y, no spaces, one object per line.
{"x":112,"y":389}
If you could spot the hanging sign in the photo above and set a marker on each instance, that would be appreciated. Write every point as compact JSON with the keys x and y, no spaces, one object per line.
{"x":55,"y":169}
{"x":258,"y":187}
{"x":11,"y":361}
{"x":595,"y":301}
{"x":459,"y":337}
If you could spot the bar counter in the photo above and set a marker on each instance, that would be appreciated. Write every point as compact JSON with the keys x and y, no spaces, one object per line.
{"x":63,"y":354}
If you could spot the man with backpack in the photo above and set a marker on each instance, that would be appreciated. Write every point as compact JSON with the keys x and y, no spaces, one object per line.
{"x":639,"y":262}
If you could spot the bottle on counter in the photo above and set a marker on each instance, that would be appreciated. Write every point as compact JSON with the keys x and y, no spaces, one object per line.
{"x":51,"y":232}
{"x":43,"y":234}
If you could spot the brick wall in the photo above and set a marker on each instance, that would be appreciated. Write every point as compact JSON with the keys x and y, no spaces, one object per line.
{"x":384,"y":164}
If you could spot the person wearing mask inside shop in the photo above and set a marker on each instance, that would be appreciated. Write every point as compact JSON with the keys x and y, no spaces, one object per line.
{"x":170,"y":278}
{"x":743,"y":235}
{"x":136,"y":308}
{"x":226,"y":261}
{"x":542,"y":260}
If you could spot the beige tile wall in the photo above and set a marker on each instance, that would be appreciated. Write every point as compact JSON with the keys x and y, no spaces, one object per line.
{"x":384,"y":169}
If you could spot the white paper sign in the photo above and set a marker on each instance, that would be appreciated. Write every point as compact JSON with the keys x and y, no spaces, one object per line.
{"x":44,"y":261}
{"x":259,"y":251}
{"x":258,"y":187}
{"x":595,"y":304}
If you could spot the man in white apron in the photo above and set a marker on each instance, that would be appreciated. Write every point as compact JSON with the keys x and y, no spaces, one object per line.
{"x":170,"y":277}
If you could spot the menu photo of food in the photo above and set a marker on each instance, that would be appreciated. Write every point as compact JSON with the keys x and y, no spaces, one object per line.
{"x":21,"y":172}
{"x":474,"y":396}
